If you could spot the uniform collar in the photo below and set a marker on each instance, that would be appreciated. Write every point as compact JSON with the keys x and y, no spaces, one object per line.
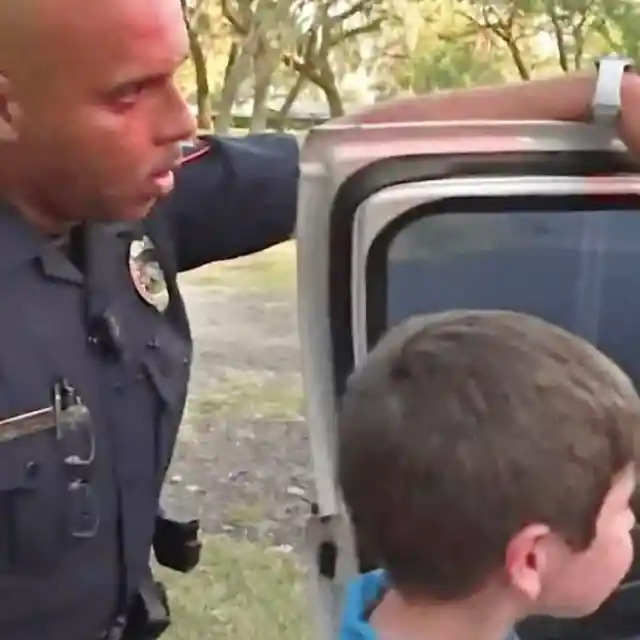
{"x":21,"y":243}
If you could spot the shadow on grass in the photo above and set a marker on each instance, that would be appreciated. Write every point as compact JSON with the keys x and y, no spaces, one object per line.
{"x":240,"y":591}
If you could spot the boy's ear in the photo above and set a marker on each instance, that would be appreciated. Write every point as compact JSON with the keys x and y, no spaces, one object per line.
{"x":9,"y":111}
{"x":527,"y":560}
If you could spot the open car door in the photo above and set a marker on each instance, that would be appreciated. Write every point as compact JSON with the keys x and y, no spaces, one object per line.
{"x":395,"y":220}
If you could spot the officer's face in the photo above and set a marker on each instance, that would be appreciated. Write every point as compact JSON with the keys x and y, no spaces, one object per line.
{"x":93,"y":118}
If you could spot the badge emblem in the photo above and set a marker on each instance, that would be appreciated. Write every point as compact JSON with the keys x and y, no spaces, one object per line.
{"x":147,"y":275}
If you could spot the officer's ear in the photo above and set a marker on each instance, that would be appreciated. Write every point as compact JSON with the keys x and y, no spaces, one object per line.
{"x":9,"y":111}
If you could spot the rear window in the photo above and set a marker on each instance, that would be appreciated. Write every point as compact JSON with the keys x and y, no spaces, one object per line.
{"x":579,"y":269}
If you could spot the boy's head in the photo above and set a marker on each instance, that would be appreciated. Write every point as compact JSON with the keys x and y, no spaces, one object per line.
{"x":483,"y":449}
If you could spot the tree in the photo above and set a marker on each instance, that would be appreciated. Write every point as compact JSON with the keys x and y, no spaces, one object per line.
{"x":511,"y":24}
{"x":428,"y":46}
{"x":620,"y":27}
{"x":550,"y":35}
{"x":195,"y":17}
{"x":331,"y":41}
{"x":208,"y":43}
{"x":259,"y":50}
{"x":263,"y":29}
{"x":312,"y":40}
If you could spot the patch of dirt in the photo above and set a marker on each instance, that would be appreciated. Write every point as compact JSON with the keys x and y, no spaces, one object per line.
{"x":242,"y":464}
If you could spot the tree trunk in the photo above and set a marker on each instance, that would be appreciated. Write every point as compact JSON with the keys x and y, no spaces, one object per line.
{"x":231,"y":60}
{"x":237,"y":74}
{"x":263,"y":69}
{"x":260,"y":114}
{"x":202,"y":90}
{"x":290,"y":100}
{"x":330,"y":88}
{"x":200,"y":68}
{"x":517,"y":58}
{"x":334,"y":100}
{"x":563,"y":58}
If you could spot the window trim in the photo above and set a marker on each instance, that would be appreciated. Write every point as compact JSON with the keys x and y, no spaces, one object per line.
{"x":399,"y":170}
{"x":377,"y":263}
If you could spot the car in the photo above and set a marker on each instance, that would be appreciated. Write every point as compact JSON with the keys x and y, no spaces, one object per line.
{"x":398,"y":219}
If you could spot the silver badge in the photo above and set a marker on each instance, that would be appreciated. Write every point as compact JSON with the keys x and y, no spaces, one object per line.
{"x":147,"y":275}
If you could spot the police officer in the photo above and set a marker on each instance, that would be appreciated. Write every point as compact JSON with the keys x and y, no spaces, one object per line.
{"x":95,"y":346}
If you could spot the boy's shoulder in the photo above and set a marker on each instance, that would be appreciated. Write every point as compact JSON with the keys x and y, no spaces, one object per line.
{"x":361,"y":594}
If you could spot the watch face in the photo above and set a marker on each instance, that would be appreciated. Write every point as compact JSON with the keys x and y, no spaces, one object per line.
{"x":627,"y":62}
{"x":624,"y":60}
{"x":606,"y":104}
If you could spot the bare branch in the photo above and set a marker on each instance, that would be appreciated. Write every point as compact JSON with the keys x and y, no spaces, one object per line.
{"x":351,"y":11}
{"x":559,"y":35}
{"x":374,"y":25}
{"x":232,"y":18}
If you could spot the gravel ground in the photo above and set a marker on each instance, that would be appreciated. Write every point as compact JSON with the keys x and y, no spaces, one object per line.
{"x":242,"y":464}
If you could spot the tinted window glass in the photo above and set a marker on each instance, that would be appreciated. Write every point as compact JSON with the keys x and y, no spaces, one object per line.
{"x":580,"y":270}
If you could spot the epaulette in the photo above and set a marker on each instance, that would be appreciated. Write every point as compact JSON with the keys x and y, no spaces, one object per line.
{"x":193,"y":149}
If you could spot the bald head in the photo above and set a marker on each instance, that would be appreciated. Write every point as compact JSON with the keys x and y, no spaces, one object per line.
{"x":25,"y":25}
{"x":14,"y":20}
{"x":67,"y":28}
{"x":84,"y":79}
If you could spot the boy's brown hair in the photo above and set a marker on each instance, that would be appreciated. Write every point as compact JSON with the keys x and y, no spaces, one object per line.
{"x":462,"y":428}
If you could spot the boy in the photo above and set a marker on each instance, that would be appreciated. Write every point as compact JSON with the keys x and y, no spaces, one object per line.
{"x":488,"y":459}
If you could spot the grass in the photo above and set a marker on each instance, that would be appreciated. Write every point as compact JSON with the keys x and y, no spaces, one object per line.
{"x":272,"y":270}
{"x":240,"y":591}
{"x":250,"y":395}
{"x":245,"y":514}
{"x":243,"y":590}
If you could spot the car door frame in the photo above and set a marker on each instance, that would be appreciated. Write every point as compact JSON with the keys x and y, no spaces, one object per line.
{"x":346,"y":173}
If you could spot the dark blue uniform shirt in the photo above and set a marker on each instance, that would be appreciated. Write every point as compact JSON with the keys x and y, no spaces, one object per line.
{"x":235,"y":197}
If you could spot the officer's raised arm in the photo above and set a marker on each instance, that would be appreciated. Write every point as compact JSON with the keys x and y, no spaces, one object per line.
{"x":239,"y":195}
{"x":233,"y":197}
{"x":575,"y":97}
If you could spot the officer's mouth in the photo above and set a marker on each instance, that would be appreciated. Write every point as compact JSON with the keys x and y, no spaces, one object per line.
{"x":162,"y":183}
{"x":161,"y":180}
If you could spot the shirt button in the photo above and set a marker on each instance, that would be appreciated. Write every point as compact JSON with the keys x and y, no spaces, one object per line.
{"x":32,"y":469}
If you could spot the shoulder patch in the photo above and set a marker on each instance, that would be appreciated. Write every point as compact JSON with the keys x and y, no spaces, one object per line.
{"x":193,"y":149}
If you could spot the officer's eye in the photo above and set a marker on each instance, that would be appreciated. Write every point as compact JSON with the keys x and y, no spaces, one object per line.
{"x":129,"y":93}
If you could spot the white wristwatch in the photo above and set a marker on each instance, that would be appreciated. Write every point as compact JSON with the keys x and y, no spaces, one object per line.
{"x":606,"y":105}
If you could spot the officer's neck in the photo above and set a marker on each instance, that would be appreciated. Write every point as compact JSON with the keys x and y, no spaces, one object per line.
{"x":37,"y":215}
{"x":17,"y":189}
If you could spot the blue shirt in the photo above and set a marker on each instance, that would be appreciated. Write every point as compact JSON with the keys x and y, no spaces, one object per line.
{"x":361,"y":594}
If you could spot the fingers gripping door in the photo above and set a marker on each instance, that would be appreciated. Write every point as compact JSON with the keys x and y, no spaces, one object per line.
{"x":547,"y":230}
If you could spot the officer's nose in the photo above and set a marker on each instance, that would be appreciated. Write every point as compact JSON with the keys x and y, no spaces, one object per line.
{"x":178,"y":124}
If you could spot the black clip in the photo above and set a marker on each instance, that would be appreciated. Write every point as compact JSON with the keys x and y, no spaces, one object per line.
{"x":176,"y":544}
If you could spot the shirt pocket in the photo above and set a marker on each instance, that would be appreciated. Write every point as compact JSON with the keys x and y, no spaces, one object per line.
{"x":33,"y":508}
